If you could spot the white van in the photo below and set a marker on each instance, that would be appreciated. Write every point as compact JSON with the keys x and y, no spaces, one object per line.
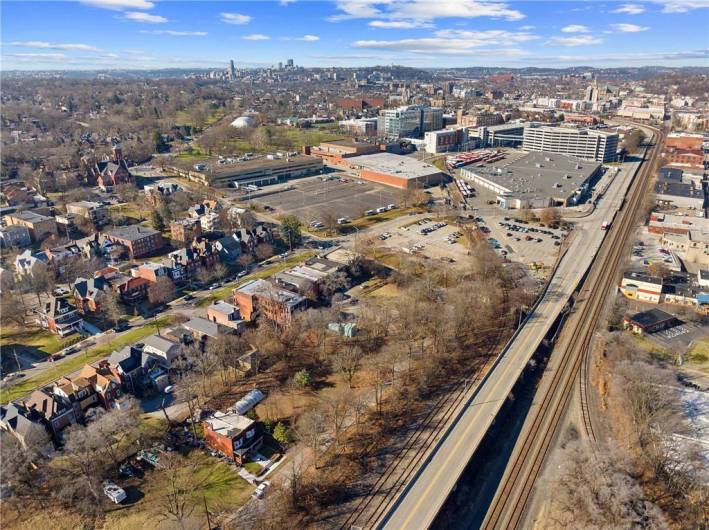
{"x":391,"y":206}
{"x":382,"y":209}
{"x":343,"y":221}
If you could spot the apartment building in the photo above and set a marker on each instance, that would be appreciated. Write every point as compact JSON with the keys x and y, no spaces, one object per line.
{"x":40,"y":226}
{"x":95,"y":212}
{"x":139,"y":240}
{"x":586,"y":144}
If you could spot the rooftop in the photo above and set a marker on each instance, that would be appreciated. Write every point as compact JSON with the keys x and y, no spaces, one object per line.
{"x":229,"y":424}
{"x":29,"y":216}
{"x":651,"y":317}
{"x":402,"y":166}
{"x":536,"y":174}
{"x":132,"y":232}
{"x":220,"y":168}
{"x":268,"y":290}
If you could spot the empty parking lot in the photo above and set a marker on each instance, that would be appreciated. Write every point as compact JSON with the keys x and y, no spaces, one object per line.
{"x":312,"y":199}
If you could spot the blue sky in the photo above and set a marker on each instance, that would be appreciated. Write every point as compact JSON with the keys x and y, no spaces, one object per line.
{"x":141,"y":34}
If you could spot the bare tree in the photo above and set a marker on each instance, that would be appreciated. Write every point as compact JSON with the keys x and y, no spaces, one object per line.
{"x":310,"y":429}
{"x":263,"y":251}
{"x":109,"y":306}
{"x":549,"y":216}
{"x":596,"y":489}
{"x":176,"y":501}
{"x":161,"y":291}
{"x":346,"y":359}
{"x":338,"y":406}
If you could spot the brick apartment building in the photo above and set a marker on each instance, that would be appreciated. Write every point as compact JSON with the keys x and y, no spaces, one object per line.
{"x":184,"y":231}
{"x":139,"y":240}
{"x":39,"y":226}
{"x":259,"y":297}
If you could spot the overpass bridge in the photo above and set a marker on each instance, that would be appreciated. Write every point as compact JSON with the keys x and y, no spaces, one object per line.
{"x":422,"y":498}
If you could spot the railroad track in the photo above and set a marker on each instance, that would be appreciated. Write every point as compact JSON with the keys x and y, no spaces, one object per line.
{"x":513,"y":493}
{"x":584,"y":392}
{"x":368,"y":511}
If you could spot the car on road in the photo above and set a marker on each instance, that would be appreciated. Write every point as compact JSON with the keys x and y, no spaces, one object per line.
{"x":242,"y":274}
{"x":260,"y":490}
{"x":188,"y":297}
{"x":214,"y":286}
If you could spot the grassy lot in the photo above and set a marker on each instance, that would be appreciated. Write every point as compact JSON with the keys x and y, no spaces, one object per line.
{"x":264,"y":272}
{"x":388,"y":290}
{"x":219,"y":483}
{"x":698,"y":355}
{"x":39,"y":343}
{"x":75,"y":362}
{"x":253,"y":467}
{"x":134,"y":211}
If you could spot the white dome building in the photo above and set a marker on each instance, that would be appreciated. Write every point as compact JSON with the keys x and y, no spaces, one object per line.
{"x":242,"y":122}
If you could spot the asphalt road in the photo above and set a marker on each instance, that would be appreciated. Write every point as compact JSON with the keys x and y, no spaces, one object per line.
{"x":423,"y":497}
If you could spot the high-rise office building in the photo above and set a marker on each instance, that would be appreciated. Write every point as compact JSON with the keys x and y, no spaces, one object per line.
{"x":232,"y":70}
{"x":289,"y":63}
{"x":587,"y":144}
{"x":409,"y":121}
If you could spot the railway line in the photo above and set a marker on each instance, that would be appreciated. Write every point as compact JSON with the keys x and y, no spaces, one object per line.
{"x":371,"y":508}
{"x":514,"y":491}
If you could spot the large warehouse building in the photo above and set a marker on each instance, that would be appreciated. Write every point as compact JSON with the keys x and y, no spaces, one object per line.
{"x":399,"y":171}
{"x":587,"y":144}
{"x":258,"y":171}
{"x":536,"y":180}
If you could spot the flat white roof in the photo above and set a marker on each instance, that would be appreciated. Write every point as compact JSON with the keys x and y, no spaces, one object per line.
{"x":397,"y":165}
{"x":229,"y":424}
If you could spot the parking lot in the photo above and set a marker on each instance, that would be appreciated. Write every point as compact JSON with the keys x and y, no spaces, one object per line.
{"x":522,"y":242}
{"x":679,"y":338}
{"x":427,"y":237}
{"x":647,"y":250}
{"x":312,"y":199}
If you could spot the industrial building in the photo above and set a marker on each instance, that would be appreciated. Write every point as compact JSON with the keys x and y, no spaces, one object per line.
{"x":258,"y":171}
{"x":409,"y":121}
{"x":396,"y":170}
{"x":536,"y":180}
{"x":334,"y":152}
{"x":587,"y":144}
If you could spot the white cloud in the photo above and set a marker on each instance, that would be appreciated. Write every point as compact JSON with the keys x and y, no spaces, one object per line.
{"x":144,"y":18}
{"x":629,"y":28}
{"x":119,"y":5}
{"x":256,"y":36}
{"x":681,"y":6}
{"x":235,"y":18}
{"x":308,"y":38}
{"x":399,"y":24}
{"x":526,"y":28}
{"x":578,"y":40}
{"x":454,"y":42}
{"x":39,"y":56}
{"x":174,"y":33}
{"x":424,"y":10}
{"x":286,"y":2}
{"x":575,"y":28}
{"x":630,"y":9}
{"x":54,"y":46}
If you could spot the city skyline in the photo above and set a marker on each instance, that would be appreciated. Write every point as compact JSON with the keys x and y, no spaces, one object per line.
{"x":152,"y":35}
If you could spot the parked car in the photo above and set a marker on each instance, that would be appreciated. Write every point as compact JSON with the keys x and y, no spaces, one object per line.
{"x":114,"y":492}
